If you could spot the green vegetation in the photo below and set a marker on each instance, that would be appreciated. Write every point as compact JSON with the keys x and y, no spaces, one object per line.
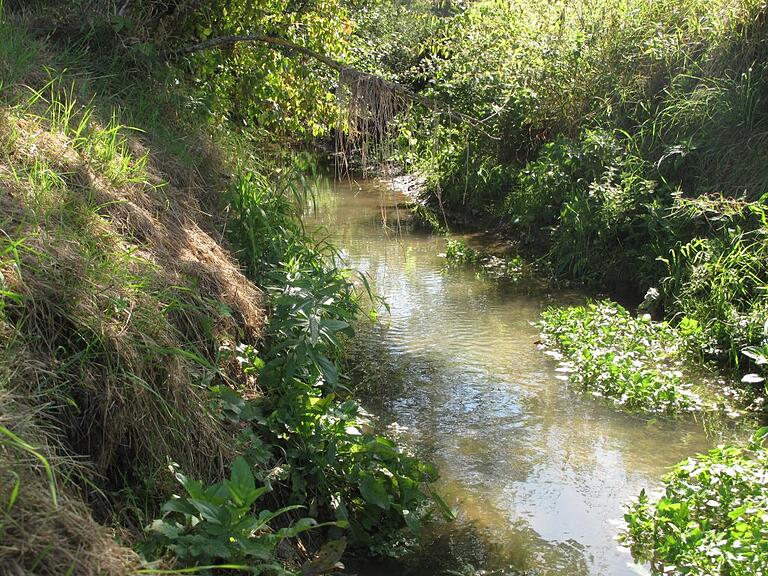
{"x":635,"y":362}
{"x":623,"y":140}
{"x":489,"y":265}
{"x":457,"y":252}
{"x":217,"y":524}
{"x":346,"y":472}
{"x":711,"y":518}
{"x":164,"y":315}
{"x":136,"y":353}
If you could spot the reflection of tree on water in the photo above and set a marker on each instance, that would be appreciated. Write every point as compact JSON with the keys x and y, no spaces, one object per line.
{"x":462,"y":548}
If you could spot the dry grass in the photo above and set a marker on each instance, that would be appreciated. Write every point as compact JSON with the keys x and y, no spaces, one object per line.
{"x":38,"y":535}
{"x":126,"y":278}
{"x":116,"y":296}
{"x":365,"y":130}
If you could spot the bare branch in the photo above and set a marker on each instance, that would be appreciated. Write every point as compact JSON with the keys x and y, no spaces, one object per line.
{"x":123,"y":10}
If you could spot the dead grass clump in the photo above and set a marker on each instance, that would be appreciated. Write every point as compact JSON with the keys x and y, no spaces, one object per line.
{"x":371,"y":105}
{"x":45,"y":528}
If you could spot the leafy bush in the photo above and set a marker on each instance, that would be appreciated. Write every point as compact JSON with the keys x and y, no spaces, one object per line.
{"x":633,"y":361}
{"x":219,"y":524}
{"x":561,"y":168}
{"x":457,"y":252}
{"x":711,"y":519}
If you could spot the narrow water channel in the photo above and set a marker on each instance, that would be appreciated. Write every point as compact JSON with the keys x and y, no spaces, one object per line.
{"x":537,"y":472}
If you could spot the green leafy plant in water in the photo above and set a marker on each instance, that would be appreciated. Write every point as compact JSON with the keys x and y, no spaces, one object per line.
{"x":457,"y":252}
{"x":633,"y":361}
{"x":219,"y":524}
{"x":711,"y":519}
{"x":491,"y":266}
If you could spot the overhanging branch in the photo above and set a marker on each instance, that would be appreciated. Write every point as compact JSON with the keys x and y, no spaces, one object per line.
{"x":229,"y":40}
{"x":342,"y":69}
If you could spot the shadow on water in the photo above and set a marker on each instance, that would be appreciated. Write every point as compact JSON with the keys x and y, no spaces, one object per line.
{"x":537,"y":472}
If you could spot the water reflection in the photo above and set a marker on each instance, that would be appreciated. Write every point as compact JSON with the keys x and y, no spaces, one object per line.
{"x":537,"y":471}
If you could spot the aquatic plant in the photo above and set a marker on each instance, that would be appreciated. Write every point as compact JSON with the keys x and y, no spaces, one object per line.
{"x":711,"y":517}
{"x":488,"y":265}
{"x":457,"y":252}
{"x":633,"y":361}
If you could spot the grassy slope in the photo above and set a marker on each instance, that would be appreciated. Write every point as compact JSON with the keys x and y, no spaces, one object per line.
{"x":116,"y":295}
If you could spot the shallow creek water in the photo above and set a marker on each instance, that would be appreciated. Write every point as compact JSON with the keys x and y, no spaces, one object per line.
{"x":536,"y":471}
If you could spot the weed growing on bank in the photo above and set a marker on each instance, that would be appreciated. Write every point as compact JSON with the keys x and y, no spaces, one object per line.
{"x":710,"y":518}
{"x":334,"y":460}
{"x":218,"y":524}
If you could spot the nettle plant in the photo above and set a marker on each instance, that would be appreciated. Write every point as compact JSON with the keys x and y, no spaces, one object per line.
{"x":710,"y":520}
{"x":633,"y":361}
{"x":333,"y":459}
{"x":306,"y":427}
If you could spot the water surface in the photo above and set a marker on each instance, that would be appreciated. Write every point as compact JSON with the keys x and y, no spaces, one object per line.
{"x":537,"y":472}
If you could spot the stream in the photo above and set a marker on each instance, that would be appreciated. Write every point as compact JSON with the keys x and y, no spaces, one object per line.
{"x":536,"y":472}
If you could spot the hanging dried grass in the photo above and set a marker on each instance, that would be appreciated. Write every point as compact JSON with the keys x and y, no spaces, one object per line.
{"x":369,"y":105}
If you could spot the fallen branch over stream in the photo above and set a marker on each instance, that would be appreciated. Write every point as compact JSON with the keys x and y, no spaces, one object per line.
{"x":348,"y":74}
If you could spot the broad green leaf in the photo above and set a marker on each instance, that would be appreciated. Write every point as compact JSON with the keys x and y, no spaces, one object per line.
{"x":374,"y":491}
{"x":242,"y":476}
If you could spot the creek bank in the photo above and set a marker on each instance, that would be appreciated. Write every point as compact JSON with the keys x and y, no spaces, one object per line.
{"x":497,"y":242}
